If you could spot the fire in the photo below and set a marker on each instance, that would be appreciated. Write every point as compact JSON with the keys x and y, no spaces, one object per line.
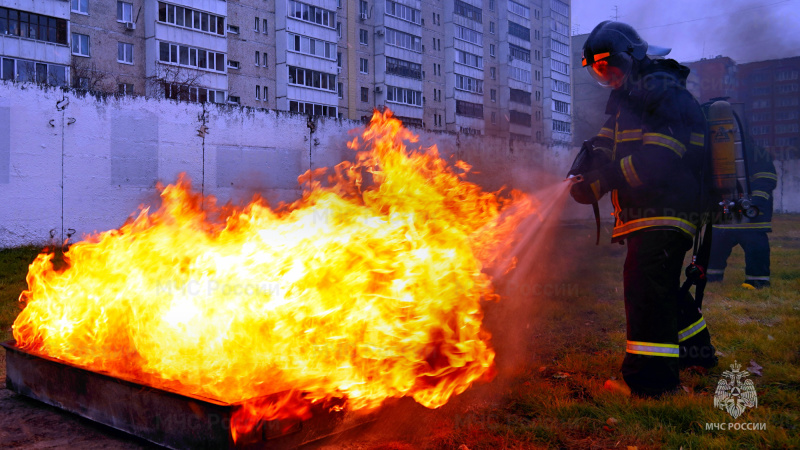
{"x":367,"y":288}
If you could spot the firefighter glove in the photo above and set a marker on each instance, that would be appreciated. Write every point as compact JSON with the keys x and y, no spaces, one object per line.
{"x":587,"y":190}
{"x":595,"y":184}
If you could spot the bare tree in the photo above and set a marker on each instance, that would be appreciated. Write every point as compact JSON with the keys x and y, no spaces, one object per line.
{"x":85,"y":75}
{"x":175,"y":82}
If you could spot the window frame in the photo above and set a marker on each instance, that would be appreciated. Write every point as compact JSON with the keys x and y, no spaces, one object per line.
{"x":88,"y":53}
{"x":124,"y":46}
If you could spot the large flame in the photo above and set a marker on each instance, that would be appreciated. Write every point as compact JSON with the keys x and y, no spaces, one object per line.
{"x":367,"y":288}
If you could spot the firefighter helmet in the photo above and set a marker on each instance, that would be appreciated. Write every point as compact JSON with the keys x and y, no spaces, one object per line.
{"x":611,"y":49}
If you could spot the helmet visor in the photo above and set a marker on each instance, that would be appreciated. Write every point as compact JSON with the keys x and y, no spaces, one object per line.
{"x":611,"y":71}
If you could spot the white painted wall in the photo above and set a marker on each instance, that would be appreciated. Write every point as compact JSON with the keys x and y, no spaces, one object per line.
{"x":91,"y":164}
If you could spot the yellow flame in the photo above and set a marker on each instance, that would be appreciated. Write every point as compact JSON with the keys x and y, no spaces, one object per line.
{"x":367,"y":288}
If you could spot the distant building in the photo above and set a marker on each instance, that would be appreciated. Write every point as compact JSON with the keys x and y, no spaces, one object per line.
{"x":588,"y":115}
{"x":557,"y":79}
{"x":497,"y":67}
{"x":711,"y":78}
{"x":770,"y":91}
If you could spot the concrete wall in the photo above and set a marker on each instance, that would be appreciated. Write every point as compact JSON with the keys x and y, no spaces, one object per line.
{"x":77,"y":162}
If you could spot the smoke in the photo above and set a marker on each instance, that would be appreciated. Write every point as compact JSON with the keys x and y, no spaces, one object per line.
{"x":745,"y":30}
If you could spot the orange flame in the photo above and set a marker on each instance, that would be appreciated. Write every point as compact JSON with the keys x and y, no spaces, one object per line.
{"x":367,"y":288}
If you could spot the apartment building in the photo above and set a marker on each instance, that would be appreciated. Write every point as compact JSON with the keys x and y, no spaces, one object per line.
{"x":556,"y":84}
{"x":34,"y":41}
{"x":478,"y":67}
{"x":770,"y":91}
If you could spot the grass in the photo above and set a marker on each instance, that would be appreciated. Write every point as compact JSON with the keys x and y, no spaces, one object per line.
{"x":558,"y":402}
{"x":576,"y":342}
{"x":13,"y":268}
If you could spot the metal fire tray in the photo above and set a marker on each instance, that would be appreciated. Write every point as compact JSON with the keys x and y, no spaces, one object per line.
{"x":163,"y":417}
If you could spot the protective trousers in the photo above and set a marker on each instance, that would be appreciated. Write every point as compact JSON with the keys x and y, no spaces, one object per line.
{"x":755,"y":244}
{"x":664,"y":333}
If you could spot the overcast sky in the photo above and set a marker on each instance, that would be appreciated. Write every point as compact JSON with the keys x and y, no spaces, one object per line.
{"x":745,"y":30}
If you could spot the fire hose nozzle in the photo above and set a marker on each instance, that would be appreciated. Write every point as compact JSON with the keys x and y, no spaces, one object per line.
{"x":574,"y":179}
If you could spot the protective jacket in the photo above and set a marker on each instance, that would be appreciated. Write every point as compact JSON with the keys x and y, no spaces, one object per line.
{"x":655,"y":138}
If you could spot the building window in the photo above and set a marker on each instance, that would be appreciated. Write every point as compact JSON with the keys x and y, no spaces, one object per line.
{"x":80,"y":6}
{"x":299,"y":76}
{"x":403,"y":95}
{"x":519,"y":53}
{"x":340,"y":90}
{"x":189,"y":18}
{"x":264,"y":28}
{"x":264,"y":59}
{"x":469,"y":109}
{"x":312,"y":109}
{"x":561,"y":127}
{"x":519,"y":31}
{"x":32,"y":26}
{"x":234,"y":99}
{"x":339,"y":60}
{"x":313,"y":14}
{"x":519,"y":9}
{"x":493,"y":94}
{"x":562,"y":107}
{"x":468,"y":11}
{"x":560,"y":7}
{"x":311,"y":46}
{"x":491,"y":27}
{"x":124,"y":12}
{"x":491,"y":5}
{"x":339,"y":29}
{"x":519,"y":118}
{"x":266,"y":93}
{"x":35,"y":72}
{"x":363,"y":36}
{"x":492,"y":73}
{"x":404,"y":12}
{"x":125,"y":88}
{"x":364,"y":65}
{"x":403,"y":40}
{"x":465,"y":34}
{"x":258,"y":92}
{"x":538,"y":96}
{"x":80,"y":44}
{"x":491,"y":49}
{"x":519,"y":74}
{"x":190,"y":56}
{"x":124,"y":53}
{"x":258,"y":58}
{"x":403,"y":68}
{"x":364,"y":94}
{"x":561,"y":86}
{"x":233,"y":29}
{"x":364,"y":9}
{"x":469,"y":84}
{"x":182,"y":92}
{"x":234,"y":64}
{"x":468,"y":59}
{"x":520,"y":96}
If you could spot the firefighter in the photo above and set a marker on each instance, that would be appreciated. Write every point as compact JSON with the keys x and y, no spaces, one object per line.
{"x":648,"y":155}
{"x":751,"y":234}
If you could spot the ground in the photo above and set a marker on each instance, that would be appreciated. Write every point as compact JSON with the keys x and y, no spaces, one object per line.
{"x":558,"y":338}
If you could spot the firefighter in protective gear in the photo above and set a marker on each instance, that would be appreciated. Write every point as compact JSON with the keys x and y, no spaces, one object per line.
{"x":653,"y":147}
{"x":750,"y":233}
